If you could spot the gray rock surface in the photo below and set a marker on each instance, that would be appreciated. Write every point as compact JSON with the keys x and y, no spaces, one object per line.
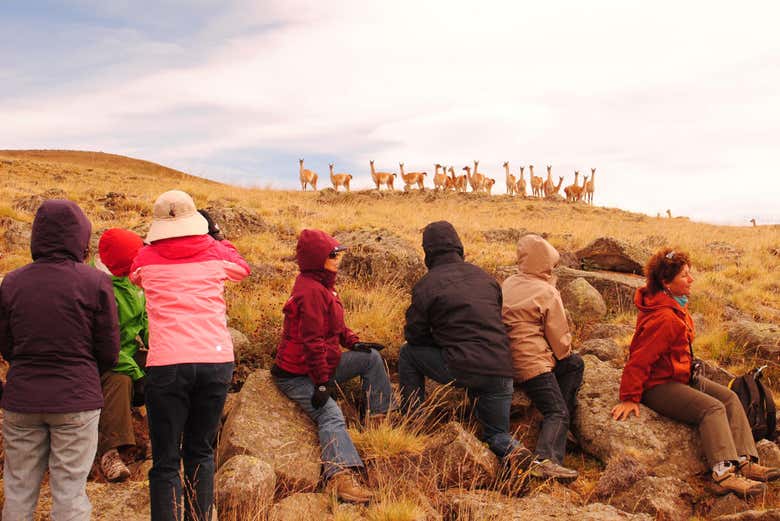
{"x":621,"y":473}
{"x":240,"y":342}
{"x":757,"y":338}
{"x":667,"y":447}
{"x":298,"y":507}
{"x":245,"y":484}
{"x":486,"y":505}
{"x":617,"y":288}
{"x":605,"y":330}
{"x":237,"y":221}
{"x":666,"y":498}
{"x":380,"y":257}
{"x":768,"y":453}
{"x":608,"y":253}
{"x":267,"y":425}
{"x":583,"y":301}
{"x":726,"y":505}
{"x":17,"y":234}
{"x":458,"y":458}
{"x":605,"y":349}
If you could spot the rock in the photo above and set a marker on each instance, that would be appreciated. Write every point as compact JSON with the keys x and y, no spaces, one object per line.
{"x":17,"y":233}
{"x":267,"y":425}
{"x":753,"y":515}
{"x":510,"y":235}
{"x":768,"y":453}
{"x":617,"y":288}
{"x":569,"y":260}
{"x":492,"y":506}
{"x":230,"y":402}
{"x":240,"y":342}
{"x":381,"y":257}
{"x":237,"y":221}
{"x":610,"y":331}
{"x":607,"y":253}
{"x":245,"y":485}
{"x":667,"y":447}
{"x":758,"y":338}
{"x":556,"y":197}
{"x":663,"y":498}
{"x":585,"y":304}
{"x":302,"y":506}
{"x":605,"y":349}
{"x":621,"y":473}
{"x":717,"y":374}
{"x":458,"y":458}
{"x":31,"y":203}
{"x":728,"y":504}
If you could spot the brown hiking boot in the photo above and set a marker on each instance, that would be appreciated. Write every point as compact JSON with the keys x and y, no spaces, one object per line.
{"x":757,"y":472}
{"x":345,"y":487}
{"x":114,"y":469}
{"x":730,"y":481}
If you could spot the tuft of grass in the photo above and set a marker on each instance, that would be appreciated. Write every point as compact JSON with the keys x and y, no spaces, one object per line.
{"x":395,"y":510}
{"x":386,"y":441}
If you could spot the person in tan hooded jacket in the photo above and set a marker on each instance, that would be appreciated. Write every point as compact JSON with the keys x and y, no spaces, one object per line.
{"x":540,"y":342}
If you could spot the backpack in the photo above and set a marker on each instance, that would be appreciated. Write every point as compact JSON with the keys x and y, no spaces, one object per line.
{"x":758,"y":403}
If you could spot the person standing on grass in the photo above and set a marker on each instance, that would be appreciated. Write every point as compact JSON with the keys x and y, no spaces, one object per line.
{"x":454,"y":334}
{"x":122,"y":383}
{"x":58,"y":330}
{"x":309,"y":361}
{"x":543,"y":362}
{"x":659,"y":375}
{"x":190,"y":362}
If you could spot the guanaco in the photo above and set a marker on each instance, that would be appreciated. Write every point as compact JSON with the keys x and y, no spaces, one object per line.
{"x":339,"y":179}
{"x":306,"y":177}
{"x":382,"y":178}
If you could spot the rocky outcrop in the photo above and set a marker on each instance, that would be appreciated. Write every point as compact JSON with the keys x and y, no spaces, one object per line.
{"x":664,"y":445}
{"x":17,"y":234}
{"x":380,"y":257}
{"x":240,"y":342}
{"x":605,"y":330}
{"x":605,"y":349}
{"x":617,"y":289}
{"x":756,"y":337}
{"x":492,"y":506}
{"x":768,"y":453}
{"x":31,"y":203}
{"x":585,"y":304}
{"x":302,"y":506}
{"x":663,"y":498}
{"x":267,"y":425}
{"x":237,"y":221}
{"x":458,"y":458}
{"x":726,"y":505}
{"x":607,"y":253}
{"x":245,"y":485}
{"x":621,"y":473}
{"x":753,"y":515}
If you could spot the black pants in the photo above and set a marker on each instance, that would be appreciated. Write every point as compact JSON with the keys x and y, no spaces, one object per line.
{"x":184,"y":403}
{"x":555,"y":395}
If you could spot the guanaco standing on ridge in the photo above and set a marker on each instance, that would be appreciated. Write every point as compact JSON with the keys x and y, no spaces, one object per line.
{"x":341,"y":179}
{"x":511,"y":181}
{"x":382,"y":178}
{"x":669,"y":214}
{"x":573,"y":191}
{"x":412,"y":178}
{"x":439,"y":180}
{"x":536,"y":182}
{"x":481,"y":178}
{"x":590,"y":187}
{"x":475,"y":180}
{"x":306,"y":176}
{"x":548,"y":183}
{"x":487,"y":185}
{"x":557,"y":188}
{"x":460,"y":182}
{"x":754,"y":222}
{"x":520,"y":186}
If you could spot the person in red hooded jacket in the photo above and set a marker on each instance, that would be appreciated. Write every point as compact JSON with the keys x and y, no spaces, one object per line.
{"x":659,"y":375}
{"x":309,"y":360}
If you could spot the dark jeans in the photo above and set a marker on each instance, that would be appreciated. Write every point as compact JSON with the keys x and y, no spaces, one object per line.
{"x":184,"y":404}
{"x":338,"y":451}
{"x":492,"y":394}
{"x":555,"y":395}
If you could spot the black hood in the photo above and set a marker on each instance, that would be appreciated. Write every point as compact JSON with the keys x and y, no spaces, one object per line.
{"x":441,"y":244}
{"x":60,"y":231}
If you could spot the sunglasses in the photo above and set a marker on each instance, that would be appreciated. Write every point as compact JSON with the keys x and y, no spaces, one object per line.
{"x":670,"y":255}
{"x":333,"y":254}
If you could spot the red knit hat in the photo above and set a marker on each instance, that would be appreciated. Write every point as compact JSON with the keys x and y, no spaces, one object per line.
{"x":117,"y":249}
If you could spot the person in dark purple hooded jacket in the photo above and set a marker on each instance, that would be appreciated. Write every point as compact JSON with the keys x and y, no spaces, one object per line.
{"x":309,"y":360}
{"x":58,"y":331}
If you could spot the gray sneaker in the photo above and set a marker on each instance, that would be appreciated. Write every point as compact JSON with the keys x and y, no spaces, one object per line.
{"x":547,"y":469}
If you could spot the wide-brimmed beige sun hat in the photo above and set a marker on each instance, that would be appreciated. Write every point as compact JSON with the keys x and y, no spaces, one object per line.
{"x":175,"y":215}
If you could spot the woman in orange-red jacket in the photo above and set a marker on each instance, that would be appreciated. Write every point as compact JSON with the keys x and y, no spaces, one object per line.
{"x":658,"y":374}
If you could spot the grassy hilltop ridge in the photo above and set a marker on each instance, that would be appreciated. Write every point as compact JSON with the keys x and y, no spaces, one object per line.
{"x":733,"y":266}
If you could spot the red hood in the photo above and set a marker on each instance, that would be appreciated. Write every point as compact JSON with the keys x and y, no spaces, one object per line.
{"x":645,"y":301}
{"x":313,"y":248}
{"x":182,"y":247}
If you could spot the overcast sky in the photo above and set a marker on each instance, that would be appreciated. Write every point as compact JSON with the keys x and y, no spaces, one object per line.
{"x":677,"y":104}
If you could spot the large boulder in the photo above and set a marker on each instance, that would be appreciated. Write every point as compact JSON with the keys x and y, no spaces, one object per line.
{"x":17,"y":234}
{"x":237,"y":221}
{"x":458,"y":458}
{"x":240,"y":342}
{"x":663,"y":498}
{"x":492,"y":506}
{"x":585,"y":304}
{"x":618,"y":289}
{"x":245,"y":485}
{"x":606,"y":330}
{"x":380,"y":257}
{"x":756,"y":337}
{"x":768,"y":453}
{"x":667,"y":447}
{"x":605,"y":349}
{"x":267,"y":425}
{"x":610,"y":254}
{"x":302,"y":506}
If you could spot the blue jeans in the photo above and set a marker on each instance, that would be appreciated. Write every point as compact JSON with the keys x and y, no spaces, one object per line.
{"x":555,"y":395}
{"x":338,"y":451}
{"x":492,"y":394}
{"x":184,"y":403}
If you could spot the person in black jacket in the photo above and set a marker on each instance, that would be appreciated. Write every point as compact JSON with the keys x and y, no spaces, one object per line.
{"x":454,"y":333}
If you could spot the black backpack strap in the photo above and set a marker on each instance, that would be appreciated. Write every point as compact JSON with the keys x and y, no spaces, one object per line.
{"x":769,"y":406}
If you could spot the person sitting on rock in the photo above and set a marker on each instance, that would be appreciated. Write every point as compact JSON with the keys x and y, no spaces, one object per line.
{"x":543,"y":362}
{"x":59,"y":331}
{"x":454,"y":334}
{"x":659,"y":375}
{"x":189,"y":367}
{"x":116,"y":250}
{"x":309,"y":361}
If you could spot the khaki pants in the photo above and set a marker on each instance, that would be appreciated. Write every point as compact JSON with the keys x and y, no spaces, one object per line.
{"x":116,"y":421}
{"x":715,"y":409}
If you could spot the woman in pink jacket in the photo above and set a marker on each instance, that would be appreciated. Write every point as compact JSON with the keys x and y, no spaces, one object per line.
{"x":190,"y":362}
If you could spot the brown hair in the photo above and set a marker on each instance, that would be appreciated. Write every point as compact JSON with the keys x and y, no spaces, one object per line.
{"x":663,"y":267}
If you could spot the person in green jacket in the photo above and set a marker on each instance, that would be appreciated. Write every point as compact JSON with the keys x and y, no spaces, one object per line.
{"x":116,"y":250}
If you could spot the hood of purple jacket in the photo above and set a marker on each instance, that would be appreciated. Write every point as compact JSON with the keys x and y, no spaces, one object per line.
{"x":60,"y":231}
